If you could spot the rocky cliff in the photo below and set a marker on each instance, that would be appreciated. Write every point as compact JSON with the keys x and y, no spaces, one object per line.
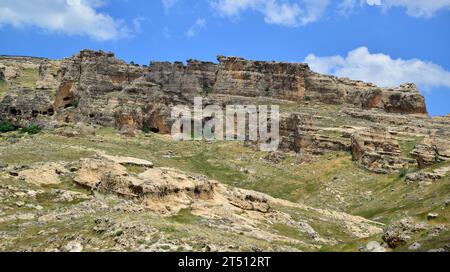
{"x":98,"y":89}
{"x":92,"y":86}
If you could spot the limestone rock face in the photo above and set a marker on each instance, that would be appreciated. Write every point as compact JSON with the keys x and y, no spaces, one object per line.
{"x":28,"y":99}
{"x":9,"y":71}
{"x":237,"y":76}
{"x":26,"y":106}
{"x":427,"y":177}
{"x":93,"y":82}
{"x":164,"y":190}
{"x":328,"y":89}
{"x":96,"y":88}
{"x":144,"y":106}
{"x":90,"y":83}
{"x":297,"y":132}
{"x":404,"y":99}
{"x":99,"y":89}
{"x":431,"y":151}
{"x":377,"y":150}
{"x":2,"y":72}
{"x":45,"y":174}
{"x":48,"y":75}
{"x":195,"y":78}
{"x":425,"y":155}
{"x":400,"y":233}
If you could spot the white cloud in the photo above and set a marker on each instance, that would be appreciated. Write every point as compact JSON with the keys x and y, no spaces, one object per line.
{"x":166,"y":33}
{"x":168,"y":4}
{"x":278,"y":12}
{"x":381,"y":69}
{"x":415,"y":8}
{"x":137,"y":24}
{"x":195,"y":28}
{"x":73,"y":17}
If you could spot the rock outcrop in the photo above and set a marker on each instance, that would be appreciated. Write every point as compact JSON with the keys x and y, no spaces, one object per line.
{"x":92,"y":85}
{"x":2,"y":72}
{"x":96,"y":88}
{"x":298,"y":133}
{"x":328,"y":89}
{"x":128,"y":198}
{"x":168,"y":191}
{"x":48,"y":75}
{"x":403,"y":231}
{"x":377,"y":150}
{"x":25,"y":106}
{"x":431,"y":151}
{"x":163,"y":190}
{"x":427,"y":177}
{"x":237,"y":76}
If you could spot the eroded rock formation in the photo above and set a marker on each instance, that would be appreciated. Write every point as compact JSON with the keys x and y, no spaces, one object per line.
{"x":98,"y":89}
{"x":92,"y":85}
{"x":378,"y":150}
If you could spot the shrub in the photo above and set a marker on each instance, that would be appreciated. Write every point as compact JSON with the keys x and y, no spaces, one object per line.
{"x":76,"y":102}
{"x":6,"y":127}
{"x":31,"y":129}
{"x":403,"y":173}
{"x":307,"y":98}
{"x":146,"y":129}
{"x":437,"y":157}
{"x":207,"y":90}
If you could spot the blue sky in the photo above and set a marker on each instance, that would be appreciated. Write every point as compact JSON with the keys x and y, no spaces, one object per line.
{"x":383,"y":41}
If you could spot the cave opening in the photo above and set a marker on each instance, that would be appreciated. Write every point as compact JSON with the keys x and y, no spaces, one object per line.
{"x":154,"y":130}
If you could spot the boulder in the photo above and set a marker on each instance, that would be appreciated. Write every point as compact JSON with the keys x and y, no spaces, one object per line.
{"x":73,"y":246}
{"x":401,"y":232}
{"x":426,"y":177}
{"x":415,"y":246}
{"x":43,"y":174}
{"x":374,"y":246}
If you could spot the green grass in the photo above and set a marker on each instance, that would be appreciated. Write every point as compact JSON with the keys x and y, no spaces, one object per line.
{"x":135,"y":169}
{"x":437,"y":166}
{"x":407,"y":146}
{"x":29,"y":78}
{"x":185,"y":216}
{"x":400,"y":200}
{"x":402,"y":174}
{"x":223,"y":161}
{"x":4,"y":87}
{"x":288,"y":231}
{"x":317,"y":184}
{"x":351,"y":246}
